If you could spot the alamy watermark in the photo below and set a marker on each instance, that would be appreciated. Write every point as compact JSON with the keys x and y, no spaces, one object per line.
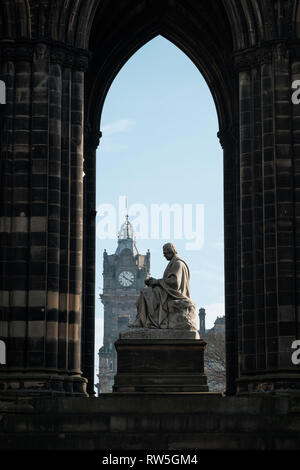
{"x":2,"y":352}
{"x":158,"y":221}
{"x":296,"y":354}
{"x":2,"y":92}
{"x":296,"y":94}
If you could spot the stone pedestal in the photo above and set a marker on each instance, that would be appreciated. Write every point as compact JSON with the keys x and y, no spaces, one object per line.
{"x":160,"y":361}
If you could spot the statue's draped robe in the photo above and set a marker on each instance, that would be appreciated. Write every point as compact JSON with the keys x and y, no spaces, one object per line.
{"x":152,"y":304}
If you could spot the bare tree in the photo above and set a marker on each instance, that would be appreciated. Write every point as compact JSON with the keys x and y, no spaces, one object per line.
{"x":214,"y":361}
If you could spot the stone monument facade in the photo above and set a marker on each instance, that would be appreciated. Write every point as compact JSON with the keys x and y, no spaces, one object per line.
{"x":58,"y":60}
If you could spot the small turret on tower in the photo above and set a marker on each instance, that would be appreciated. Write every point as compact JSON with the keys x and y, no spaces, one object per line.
{"x":202,"y":328}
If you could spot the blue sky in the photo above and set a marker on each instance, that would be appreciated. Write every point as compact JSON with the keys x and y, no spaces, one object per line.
{"x":160,"y":145}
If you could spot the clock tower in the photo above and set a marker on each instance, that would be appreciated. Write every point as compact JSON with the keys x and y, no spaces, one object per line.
{"x":124,"y":274}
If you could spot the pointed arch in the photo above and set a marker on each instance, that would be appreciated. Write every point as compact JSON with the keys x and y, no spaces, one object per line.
{"x":204,"y":33}
{"x":211,"y":50}
{"x":70,"y":21}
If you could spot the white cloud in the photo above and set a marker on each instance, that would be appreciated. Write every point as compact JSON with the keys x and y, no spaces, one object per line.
{"x":121,"y":125}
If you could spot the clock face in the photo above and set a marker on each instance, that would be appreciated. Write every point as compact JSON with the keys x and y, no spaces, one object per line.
{"x":126,"y":278}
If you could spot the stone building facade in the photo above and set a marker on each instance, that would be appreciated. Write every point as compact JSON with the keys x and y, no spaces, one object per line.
{"x":124,"y":274}
{"x":219,"y":324}
{"x":215,"y":355}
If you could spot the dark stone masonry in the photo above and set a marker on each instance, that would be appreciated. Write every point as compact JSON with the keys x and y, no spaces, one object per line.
{"x":160,"y":365}
{"x":127,"y":421}
{"x":58,"y":59}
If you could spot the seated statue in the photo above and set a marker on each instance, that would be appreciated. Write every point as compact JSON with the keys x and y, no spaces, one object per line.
{"x":166,"y":303}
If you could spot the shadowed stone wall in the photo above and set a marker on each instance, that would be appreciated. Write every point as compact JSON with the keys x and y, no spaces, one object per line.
{"x":127,"y":421}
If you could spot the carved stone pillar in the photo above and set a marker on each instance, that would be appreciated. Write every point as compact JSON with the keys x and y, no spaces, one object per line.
{"x":41,"y":218}
{"x":268,"y":322}
{"x":229,"y":142}
{"x":91,"y":143}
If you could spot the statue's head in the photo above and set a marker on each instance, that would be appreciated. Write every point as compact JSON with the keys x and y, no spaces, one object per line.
{"x":169,"y":250}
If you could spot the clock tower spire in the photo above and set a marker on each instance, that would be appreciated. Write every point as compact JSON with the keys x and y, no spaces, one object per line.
{"x":126,"y":238}
{"x":124,"y":274}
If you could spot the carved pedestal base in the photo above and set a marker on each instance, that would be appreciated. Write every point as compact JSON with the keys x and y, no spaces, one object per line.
{"x":160,"y":361}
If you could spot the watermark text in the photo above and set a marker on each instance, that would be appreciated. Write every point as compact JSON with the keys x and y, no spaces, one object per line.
{"x":2,"y":352}
{"x":2,"y":92}
{"x":296,"y":354}
{"x":158,"y":221}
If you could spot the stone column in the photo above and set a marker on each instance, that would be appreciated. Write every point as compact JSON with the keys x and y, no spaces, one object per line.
{"x":91,"y":143}
{"x":295,"y":75}
{"x":41,"y":219}
{"x":267,"y":323}
{"x":229,"y":143}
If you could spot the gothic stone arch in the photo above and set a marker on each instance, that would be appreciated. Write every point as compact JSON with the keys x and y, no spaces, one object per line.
{"x":58,"y":59}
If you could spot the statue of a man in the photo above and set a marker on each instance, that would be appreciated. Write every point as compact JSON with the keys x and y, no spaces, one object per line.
{"x":152,"y":304}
